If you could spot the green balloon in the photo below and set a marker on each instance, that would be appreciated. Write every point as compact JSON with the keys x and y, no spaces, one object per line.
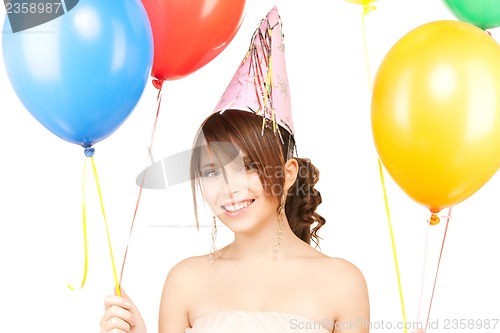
{"x":484,"y":14}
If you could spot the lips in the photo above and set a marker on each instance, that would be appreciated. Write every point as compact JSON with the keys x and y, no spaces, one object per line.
{"x":236,"y":207}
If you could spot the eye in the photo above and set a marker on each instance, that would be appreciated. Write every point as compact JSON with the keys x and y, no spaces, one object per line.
{"x":252,"y":166}
{"x":210,"y":173}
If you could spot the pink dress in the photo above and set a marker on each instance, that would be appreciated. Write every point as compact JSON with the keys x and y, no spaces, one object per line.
{"x":240,"y":321}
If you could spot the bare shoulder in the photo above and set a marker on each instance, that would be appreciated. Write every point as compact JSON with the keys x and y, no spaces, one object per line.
{"x":345,"y":288}
{"x":333,"y":267}
{"x":351,"y":292}
{"x":187,"y":272}
{"x":344,"y":270}
{"x":188,"y":265}
{"x":179,"y":292}
{"x":342,"y":275}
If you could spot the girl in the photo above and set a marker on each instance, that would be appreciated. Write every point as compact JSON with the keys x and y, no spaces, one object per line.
{"x":269,"y":279}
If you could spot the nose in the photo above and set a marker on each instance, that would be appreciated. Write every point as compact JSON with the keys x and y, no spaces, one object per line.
{"x":235,"y":179}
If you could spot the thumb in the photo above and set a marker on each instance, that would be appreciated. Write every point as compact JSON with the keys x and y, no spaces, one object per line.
{"x":129,"y":304}
{"x":122,"y":293}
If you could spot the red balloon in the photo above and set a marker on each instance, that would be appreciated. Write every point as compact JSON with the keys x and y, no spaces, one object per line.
{"x":188,"y":34}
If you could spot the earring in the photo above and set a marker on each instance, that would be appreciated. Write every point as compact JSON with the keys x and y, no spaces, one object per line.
{"x":211,"y":257}
{"x":279,"y":229}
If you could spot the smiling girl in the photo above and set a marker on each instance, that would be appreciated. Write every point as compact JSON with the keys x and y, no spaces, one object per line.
{"x":269,"y":278}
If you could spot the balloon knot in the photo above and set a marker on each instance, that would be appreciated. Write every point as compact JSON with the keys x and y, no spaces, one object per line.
{"x":434,"y":219}
{"x":488,"y":32}
{"x":89,"y":151}
{"x":158,"y":83}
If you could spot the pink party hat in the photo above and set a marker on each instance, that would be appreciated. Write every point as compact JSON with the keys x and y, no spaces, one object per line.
{"x":260,"y":85}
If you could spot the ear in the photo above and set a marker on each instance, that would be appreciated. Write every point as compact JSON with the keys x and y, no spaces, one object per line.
{"x":291,"y":170}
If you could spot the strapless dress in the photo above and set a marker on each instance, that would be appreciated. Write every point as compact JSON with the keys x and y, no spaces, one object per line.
{"x":240,"y":321}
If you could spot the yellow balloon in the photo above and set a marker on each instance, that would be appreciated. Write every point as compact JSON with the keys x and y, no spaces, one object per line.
{"x":436,"y":112}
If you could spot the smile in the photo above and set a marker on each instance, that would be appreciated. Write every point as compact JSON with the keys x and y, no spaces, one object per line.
{"x":238,"y":206}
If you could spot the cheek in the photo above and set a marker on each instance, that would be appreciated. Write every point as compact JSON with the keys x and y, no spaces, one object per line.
{"x":210,"y":190}
{"x":254,"y":184}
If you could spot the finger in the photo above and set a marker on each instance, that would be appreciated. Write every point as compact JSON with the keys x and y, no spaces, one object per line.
{"x":117,"y":301}
{"x":122,"y":293}
{"x":118,"y":313}
{"x":116,"y":325}
{"x":116,"y":330}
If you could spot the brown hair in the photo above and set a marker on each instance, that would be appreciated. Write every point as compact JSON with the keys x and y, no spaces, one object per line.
{"x":267,"y":151}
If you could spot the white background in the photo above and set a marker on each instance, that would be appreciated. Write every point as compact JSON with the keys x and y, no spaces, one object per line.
{"x":41,"y":183}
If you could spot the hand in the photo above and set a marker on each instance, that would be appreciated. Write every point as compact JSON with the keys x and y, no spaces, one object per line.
{"x":121,"y":315}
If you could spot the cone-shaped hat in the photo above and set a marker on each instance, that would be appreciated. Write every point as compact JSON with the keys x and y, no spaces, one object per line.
{"x":260,"y":84}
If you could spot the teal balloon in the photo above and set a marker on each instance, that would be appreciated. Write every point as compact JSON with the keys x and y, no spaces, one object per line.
{"x":484,"y":14}
{"x":83,"y":73}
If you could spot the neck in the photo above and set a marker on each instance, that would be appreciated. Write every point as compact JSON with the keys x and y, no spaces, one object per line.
{"x":262,"y":244}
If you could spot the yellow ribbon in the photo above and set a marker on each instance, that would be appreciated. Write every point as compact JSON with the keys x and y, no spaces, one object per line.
{"x":85,"y":246}
{"x":368,"y":6}
{"x":115,"y":275}
{"x":393,"y":243}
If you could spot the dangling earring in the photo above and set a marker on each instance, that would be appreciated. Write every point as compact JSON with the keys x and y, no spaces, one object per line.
{"x":211,"y":256}
{"x":279,"y":229}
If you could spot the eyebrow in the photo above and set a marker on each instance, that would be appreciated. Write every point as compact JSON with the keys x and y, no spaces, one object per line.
{"x":245,"y":158}
{"x":207,"y":165}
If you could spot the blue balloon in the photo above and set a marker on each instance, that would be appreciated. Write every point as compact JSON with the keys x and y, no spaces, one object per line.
{"x":82,"y":74}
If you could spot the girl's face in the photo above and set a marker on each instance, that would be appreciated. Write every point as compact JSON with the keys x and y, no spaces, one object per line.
{"x":235,"y":194}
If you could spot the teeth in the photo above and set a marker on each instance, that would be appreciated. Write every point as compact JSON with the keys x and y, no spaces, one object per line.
{"x":237,"y":206}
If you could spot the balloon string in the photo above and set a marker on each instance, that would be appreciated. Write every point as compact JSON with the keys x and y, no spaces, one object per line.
{"x":393,"y":244}
{"x":117,"y":284}
{"x":424,"y":264}
{"x":367,"y":8}
{"x":158,"y":99}
{"x":85,"y":243}
{"x":437,"y":269}
{"x":367,"y":62}
{"x":132,"y":225}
